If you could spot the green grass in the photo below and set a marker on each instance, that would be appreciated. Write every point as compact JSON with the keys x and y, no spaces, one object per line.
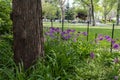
{"x":93,"y":32}
{"x":79,"y":25}
{"x":105,"y":30}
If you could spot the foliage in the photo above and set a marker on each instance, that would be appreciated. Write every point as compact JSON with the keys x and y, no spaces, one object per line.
{"x":83,"y":11}
{"x":5,"y":22}
{"x":68,"y":56}
{"x":49,"y":11}
{"x":69,"y":14}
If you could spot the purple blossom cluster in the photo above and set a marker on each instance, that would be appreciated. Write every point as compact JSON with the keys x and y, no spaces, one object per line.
{"x":65,"y":35}
{"x":74,"y":35}
{"x":102,"y":37}
{"x":53,"y":32}
{"x":116,"y":60}
{"x":92,"y":55}
{"x":109,"y":39}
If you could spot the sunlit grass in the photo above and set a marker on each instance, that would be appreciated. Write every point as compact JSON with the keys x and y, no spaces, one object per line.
{"x":80,"y":25}
{"x":94,"y":30}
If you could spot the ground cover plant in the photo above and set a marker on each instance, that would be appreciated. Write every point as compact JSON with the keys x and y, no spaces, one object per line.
{"x":68,"y":56}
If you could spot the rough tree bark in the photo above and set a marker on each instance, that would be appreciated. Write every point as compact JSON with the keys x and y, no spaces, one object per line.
{"x":27,"y":30}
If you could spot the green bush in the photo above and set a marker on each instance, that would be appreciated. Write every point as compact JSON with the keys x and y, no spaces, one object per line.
{"x":5,"y":22}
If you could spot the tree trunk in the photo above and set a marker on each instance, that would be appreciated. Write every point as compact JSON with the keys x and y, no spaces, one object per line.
{"x":93,"y":18}
{"x":105,"y":18}
{"x":118,"y":12}
{"x":89,"y":15}
{"x":28,"y":31}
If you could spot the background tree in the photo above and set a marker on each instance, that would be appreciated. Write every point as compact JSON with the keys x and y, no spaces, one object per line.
{"x":81,"y":14}
{"x":49,"y":11}
{"x":58,"y":13}
{"x":69,"y":12}
{"x":89,"y":5}
{"x":92,"y":12}
{"x":118,"y":11}
{"x":62,"y":7}
{"x":27,"y":30}
{"x":107,"y":7}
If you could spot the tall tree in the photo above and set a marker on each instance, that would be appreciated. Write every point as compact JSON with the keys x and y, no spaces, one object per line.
{"x":62,"y":6}
{"x":69,"y":12}
{"x":87,"y":3}
{"x":92,"y":13}
{"x":49,"y":11}
{"x":27,"y":30}
{"x":107,"y":7}
{"x":118,"y":11}
{"x":90,"y":7}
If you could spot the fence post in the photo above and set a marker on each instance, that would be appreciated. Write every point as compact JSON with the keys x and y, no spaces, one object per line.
{"x":88,"y":30}
{"x":95,"y":36}
{"x":112,"y":37}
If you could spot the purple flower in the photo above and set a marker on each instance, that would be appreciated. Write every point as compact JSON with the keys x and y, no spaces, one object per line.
{"x":46,"y":33}
{"x":67,"y":37}
{"x":69,"y":30}
{"x":115,"y":77}
{"x":51,"y":35}
{"x":73,"y":30}
{"x":107,"y":37}
{"x":92,"y":55}
{"x":63,"y":33}
{"x":57,"y":30}
{"x":85,"y":33}
{"x":116,"y":46}
{"x":51,"y":30}
{"x":100,"y":35}
{"x":113,"y":41}
{"x":116,"y":60}
{"x":75,"y":40}
{"x":100,"y":38}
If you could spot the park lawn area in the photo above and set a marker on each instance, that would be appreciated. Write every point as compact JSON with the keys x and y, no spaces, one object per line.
{"x":93,"y":31}
{"x":80,"y":25}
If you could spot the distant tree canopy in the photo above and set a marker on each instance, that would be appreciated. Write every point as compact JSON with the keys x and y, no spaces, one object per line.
{"x":69,"y":14}
{"x":49,"y":11}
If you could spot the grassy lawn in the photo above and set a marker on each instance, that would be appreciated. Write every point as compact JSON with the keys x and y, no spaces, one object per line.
{"x":106,"y":29}
{"x":80,"y":25}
